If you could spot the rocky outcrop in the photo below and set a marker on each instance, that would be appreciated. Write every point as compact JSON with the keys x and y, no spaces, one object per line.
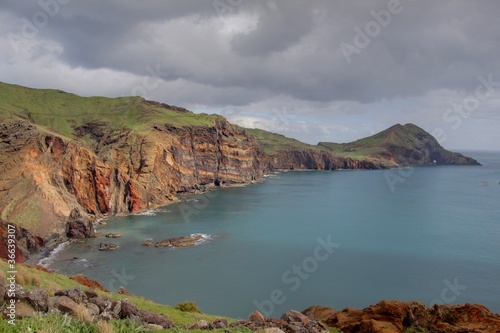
{"x":113,"y":235}
{"x":73,"y":301}
{"x":290,"y":322}
{"x":17,"y":243}
{"x":180,"y":241}
{"x":395,"y":316}
{"x":79,"y":226}
{"x":107,"y":246}
{"x":88,"y":282}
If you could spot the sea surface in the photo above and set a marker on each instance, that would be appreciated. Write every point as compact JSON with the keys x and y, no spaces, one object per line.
{"x":339,"y":239}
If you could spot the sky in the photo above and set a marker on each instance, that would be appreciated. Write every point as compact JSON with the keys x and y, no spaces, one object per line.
{"x":316,"y":70}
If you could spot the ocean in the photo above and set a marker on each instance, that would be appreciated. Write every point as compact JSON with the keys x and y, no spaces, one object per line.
{"x":339,"y":239}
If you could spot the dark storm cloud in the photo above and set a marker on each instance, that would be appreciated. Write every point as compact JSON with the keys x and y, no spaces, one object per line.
{"x":280,"y":25}
{"x":294,"y":47}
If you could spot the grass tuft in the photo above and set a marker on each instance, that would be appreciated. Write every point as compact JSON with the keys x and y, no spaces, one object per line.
{"x":188,"y":307}
{"x":105,"y":327}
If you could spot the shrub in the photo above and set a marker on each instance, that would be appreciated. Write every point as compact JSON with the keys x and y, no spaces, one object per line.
{"x":188,"y":307}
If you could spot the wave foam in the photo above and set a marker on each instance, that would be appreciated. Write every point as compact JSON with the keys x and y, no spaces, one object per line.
{"x":152,"y":212}
{"x":45,"y":262}
{"x":205,"y":238}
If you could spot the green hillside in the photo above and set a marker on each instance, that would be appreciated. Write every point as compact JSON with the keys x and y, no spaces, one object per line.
{"x":273,"y":142}
{"x":62,"y":112}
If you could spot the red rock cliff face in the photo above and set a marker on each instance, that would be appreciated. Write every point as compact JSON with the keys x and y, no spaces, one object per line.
{"x":52,"y":175}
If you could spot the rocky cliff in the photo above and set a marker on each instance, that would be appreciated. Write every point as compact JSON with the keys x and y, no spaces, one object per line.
{"x":398,"y":146}
{"x":96,"y":156}
{"x":45,"y":176}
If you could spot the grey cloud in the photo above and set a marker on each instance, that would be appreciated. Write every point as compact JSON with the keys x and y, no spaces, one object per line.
{"x":205,"y":59}
{"x":280,"y":25}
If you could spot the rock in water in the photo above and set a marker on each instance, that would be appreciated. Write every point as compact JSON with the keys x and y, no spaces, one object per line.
{"x":107,"y":246}
{"x":180,"y":241}
{"x":113,"y":235}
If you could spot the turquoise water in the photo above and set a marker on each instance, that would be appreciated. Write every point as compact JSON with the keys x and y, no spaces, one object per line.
{"x":432,"y":236}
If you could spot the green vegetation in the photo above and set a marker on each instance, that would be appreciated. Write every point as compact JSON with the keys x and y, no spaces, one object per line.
{"x":408,"y":136}
{"x":30,"y":278}
{"x":66,"y":323}
{"x":272,"y":142}
{"x":62,"y":112}
{"x":188,"y":307}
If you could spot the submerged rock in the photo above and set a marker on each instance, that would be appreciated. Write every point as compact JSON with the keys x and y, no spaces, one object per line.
{"x":113,"y":235}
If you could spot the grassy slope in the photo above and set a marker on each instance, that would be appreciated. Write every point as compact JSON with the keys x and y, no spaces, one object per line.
{"x":273,"y":142}
{"x":30,"y":278}
{"x":397,"y":135}
{"x":62,"y":112}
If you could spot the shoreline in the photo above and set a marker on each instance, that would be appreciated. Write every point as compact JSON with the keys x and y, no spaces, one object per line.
{"x":48,"y":250}
{"x":57,"y":245}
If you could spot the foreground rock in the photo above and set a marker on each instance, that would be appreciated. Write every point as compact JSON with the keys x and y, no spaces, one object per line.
{"x":384,"y":317}
{"x":395,"y":316}
{"x":180,"y":241}
{"x":88,"y":282}
{"x":73,"y":301}
{"x":290,"y":322}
